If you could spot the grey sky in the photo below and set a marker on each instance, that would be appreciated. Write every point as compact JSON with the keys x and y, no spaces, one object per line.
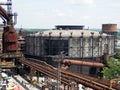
{"x":48,"y":13}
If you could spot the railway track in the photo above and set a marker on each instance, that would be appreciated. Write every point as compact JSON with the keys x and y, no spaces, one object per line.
{"x":67,"y":76}
{"x":45,"y":70}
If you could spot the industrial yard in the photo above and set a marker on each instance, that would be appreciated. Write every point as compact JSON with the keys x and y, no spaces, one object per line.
{"x":67,"y":57}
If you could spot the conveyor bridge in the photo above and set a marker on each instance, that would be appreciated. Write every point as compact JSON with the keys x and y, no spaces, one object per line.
{"x":67,"y":76}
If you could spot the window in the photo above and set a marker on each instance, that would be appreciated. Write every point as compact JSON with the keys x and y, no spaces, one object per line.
{"x":53,"y":47}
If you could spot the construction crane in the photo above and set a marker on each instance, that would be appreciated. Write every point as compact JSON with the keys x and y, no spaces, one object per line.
{"x":113,"y":81}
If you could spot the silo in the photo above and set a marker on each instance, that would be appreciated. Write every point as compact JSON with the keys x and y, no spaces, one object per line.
{"x":109,"y":28}
{"x":112,"y":30}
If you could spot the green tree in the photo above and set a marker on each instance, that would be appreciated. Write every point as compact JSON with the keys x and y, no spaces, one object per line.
{"x":112,"y":70}
{"x":118,"y":55}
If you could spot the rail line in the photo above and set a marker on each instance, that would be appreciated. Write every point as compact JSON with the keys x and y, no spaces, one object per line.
{"x":68,"y":76}
{"x":45,"y":70}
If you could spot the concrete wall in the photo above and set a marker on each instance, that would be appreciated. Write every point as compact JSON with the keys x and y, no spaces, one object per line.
{"x":80,"y":47}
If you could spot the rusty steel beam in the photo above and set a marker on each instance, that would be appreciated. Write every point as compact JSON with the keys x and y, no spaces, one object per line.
{"x":84,"y":63}
{"x":50,"y":72}
{"x":67,"y":75}
{"x":47,"y":71}
{"x":94,"y":83}
{"x":73,"y":76}
{"x":4,"y":14}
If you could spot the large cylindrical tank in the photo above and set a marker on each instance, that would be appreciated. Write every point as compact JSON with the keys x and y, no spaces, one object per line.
{"x":109,"y":28}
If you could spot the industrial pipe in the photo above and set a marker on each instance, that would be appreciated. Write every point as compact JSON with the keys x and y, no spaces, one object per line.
{"x":4,"y":14}
{"x":84,"y":63}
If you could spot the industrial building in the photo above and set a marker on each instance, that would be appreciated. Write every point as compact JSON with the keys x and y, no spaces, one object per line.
{"x":76,"y":44}
{"x":67,"y":47}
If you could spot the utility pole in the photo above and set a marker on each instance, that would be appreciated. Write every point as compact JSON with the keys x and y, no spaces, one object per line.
{"x":59,"y":75}
{"x":59,"y":59}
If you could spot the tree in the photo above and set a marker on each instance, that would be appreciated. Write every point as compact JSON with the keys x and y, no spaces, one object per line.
{"x":112,"y":70}
{"x":118,"y":55}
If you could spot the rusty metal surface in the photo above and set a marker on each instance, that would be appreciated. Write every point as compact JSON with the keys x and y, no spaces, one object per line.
{"x":5,"y":65}
{"x":10,"y":39}
{"x":109,"y":27}
{"x":41,"y":68}
{"x":84,"y":63}
{"x":10,"y":36}
{"x":4,"y":14}
{"x":67,"y":76}
{"x":12,"y":55}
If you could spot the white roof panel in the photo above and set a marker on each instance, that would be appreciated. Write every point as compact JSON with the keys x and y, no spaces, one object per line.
{"x":67,"y":33}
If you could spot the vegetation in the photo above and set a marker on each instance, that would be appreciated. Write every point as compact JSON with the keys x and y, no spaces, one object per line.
{"x":118,"y":35}
{"x":0,"y":36}
{"x":31,"y":30}
{"x":112,"y":70}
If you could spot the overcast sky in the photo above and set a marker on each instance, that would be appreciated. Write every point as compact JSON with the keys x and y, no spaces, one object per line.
{"x":48,"y":13}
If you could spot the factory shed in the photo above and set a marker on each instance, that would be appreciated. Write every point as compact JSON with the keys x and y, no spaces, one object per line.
{"x":75,"y":44}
